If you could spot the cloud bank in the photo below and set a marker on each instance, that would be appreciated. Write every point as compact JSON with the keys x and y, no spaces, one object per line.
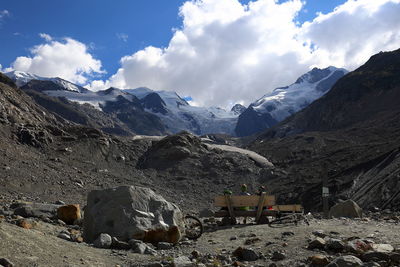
{"x":226,"y":52}
{"x":67,"y":59}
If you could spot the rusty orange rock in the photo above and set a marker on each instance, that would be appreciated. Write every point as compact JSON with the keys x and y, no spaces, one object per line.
{"x":69,"y":213}
{"x":25,"y":224}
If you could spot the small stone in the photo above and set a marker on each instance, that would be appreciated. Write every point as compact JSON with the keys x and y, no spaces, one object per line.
{"x":182,"y":261}
{"x":346,"y":261}
{"x":375,"y":256}
{"x":6,"y":262}
{"x":395,"y":257}
{"x":278,"y":256}
{"x":117,"y":244}
{"x":246,"y":254}
{"x":233,"y":238}
{"x":318,"y":243}
{"x":335,"y":245}
{"x":103,"y":241}
{"x":371,"y":264}
{"x":318,"y":260}
{"x":64,"y":236}
{"x":195,"y":254}
{"x":288,"y":233}
{"x":69,"y":213}
{"x":319,"y":233}
{"x":25,"y":224}
{"x":164,"y":245}
{"x":382,"y":247}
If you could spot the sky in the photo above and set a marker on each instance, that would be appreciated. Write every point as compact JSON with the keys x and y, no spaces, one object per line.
{"x":217,"y":52}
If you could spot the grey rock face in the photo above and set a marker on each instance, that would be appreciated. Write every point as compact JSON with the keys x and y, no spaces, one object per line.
{"x":103,"y":241}
{"x":348,"y":209}
{"x":129,"y":212}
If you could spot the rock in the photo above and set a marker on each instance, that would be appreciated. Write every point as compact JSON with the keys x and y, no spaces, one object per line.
{"x":69,"y":213}
{"x":335,"y":245}
{"x":278,"y":256}
{"x":375,"y":256}
{"x":164,"y":245}
{"x":233,"y":238}
{"x":357,"y":246}
{"x":206,"y":213}
{"x":317,"y":243}
{"x":246,"y":254}
{"x":117,"y":244}
{"x":26,"y":224}
{"x":182,"y":261}
{"x":382,"y":247}
{"x":64,"y":236}
{"x":103,"y":241}
{"x":348,"y":209}
{"x":371,"y":264}
{"x":38,"y":210}
{"x":395,"y":257}
{"x":318,"y":260}
{"x":6,"y":262}
{"x":288,"y":233}
{"x":319,"y":233}
{"x":131,"y":211}
{"x":346,"y":261}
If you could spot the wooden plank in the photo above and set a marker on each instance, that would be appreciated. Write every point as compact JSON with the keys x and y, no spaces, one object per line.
{"x":260,"y":205}
{"x":245,"y":213}
{"x":230,"y":208}
{"x":294,"y":207}
{"x":244,"y":201}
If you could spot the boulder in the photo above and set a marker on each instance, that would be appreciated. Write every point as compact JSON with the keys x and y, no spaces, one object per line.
{"x":348,"y":209}
{"x":128,"y":212}
{"x":69,"y":213}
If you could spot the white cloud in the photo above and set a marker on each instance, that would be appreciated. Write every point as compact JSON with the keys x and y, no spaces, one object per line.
{"x":226,"y":52}
{"x":68,"y":59}
{"x":4,"y":13}
{"x":45,"y":36}
{"x":122,"y":36}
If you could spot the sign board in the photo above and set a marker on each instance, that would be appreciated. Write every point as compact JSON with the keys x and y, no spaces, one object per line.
{"x":325,"y":191}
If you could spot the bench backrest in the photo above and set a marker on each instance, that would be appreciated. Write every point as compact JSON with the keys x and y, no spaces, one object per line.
{"x":244,"y":201}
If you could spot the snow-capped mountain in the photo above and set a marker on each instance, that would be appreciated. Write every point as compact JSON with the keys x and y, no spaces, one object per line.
{"x":179,"y":115}
{"x":176,"y":113}
{"x":285,"y":101}
{"x":22,"y":78}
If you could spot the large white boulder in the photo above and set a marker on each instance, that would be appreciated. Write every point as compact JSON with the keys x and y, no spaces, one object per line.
{"x":132,"y":212}
{"x":348,"y":209}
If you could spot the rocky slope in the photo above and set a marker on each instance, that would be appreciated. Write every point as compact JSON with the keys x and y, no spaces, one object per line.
{"x":285,"y":101}
{"x":351,"y":135}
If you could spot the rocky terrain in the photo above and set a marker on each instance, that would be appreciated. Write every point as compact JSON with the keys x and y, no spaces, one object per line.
{"x":46,"y":158}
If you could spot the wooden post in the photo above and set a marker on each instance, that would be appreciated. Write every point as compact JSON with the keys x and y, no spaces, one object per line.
{"x":260,"y":206}
{"x":325,"y":192}
{"x":230,"y":208}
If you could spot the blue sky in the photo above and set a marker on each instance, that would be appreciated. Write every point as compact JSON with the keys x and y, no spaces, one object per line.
{"x":219,"y":52}
{"x":102,"y":24}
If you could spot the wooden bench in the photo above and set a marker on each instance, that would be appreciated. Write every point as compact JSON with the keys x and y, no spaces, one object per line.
{"x":259,"y":207}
